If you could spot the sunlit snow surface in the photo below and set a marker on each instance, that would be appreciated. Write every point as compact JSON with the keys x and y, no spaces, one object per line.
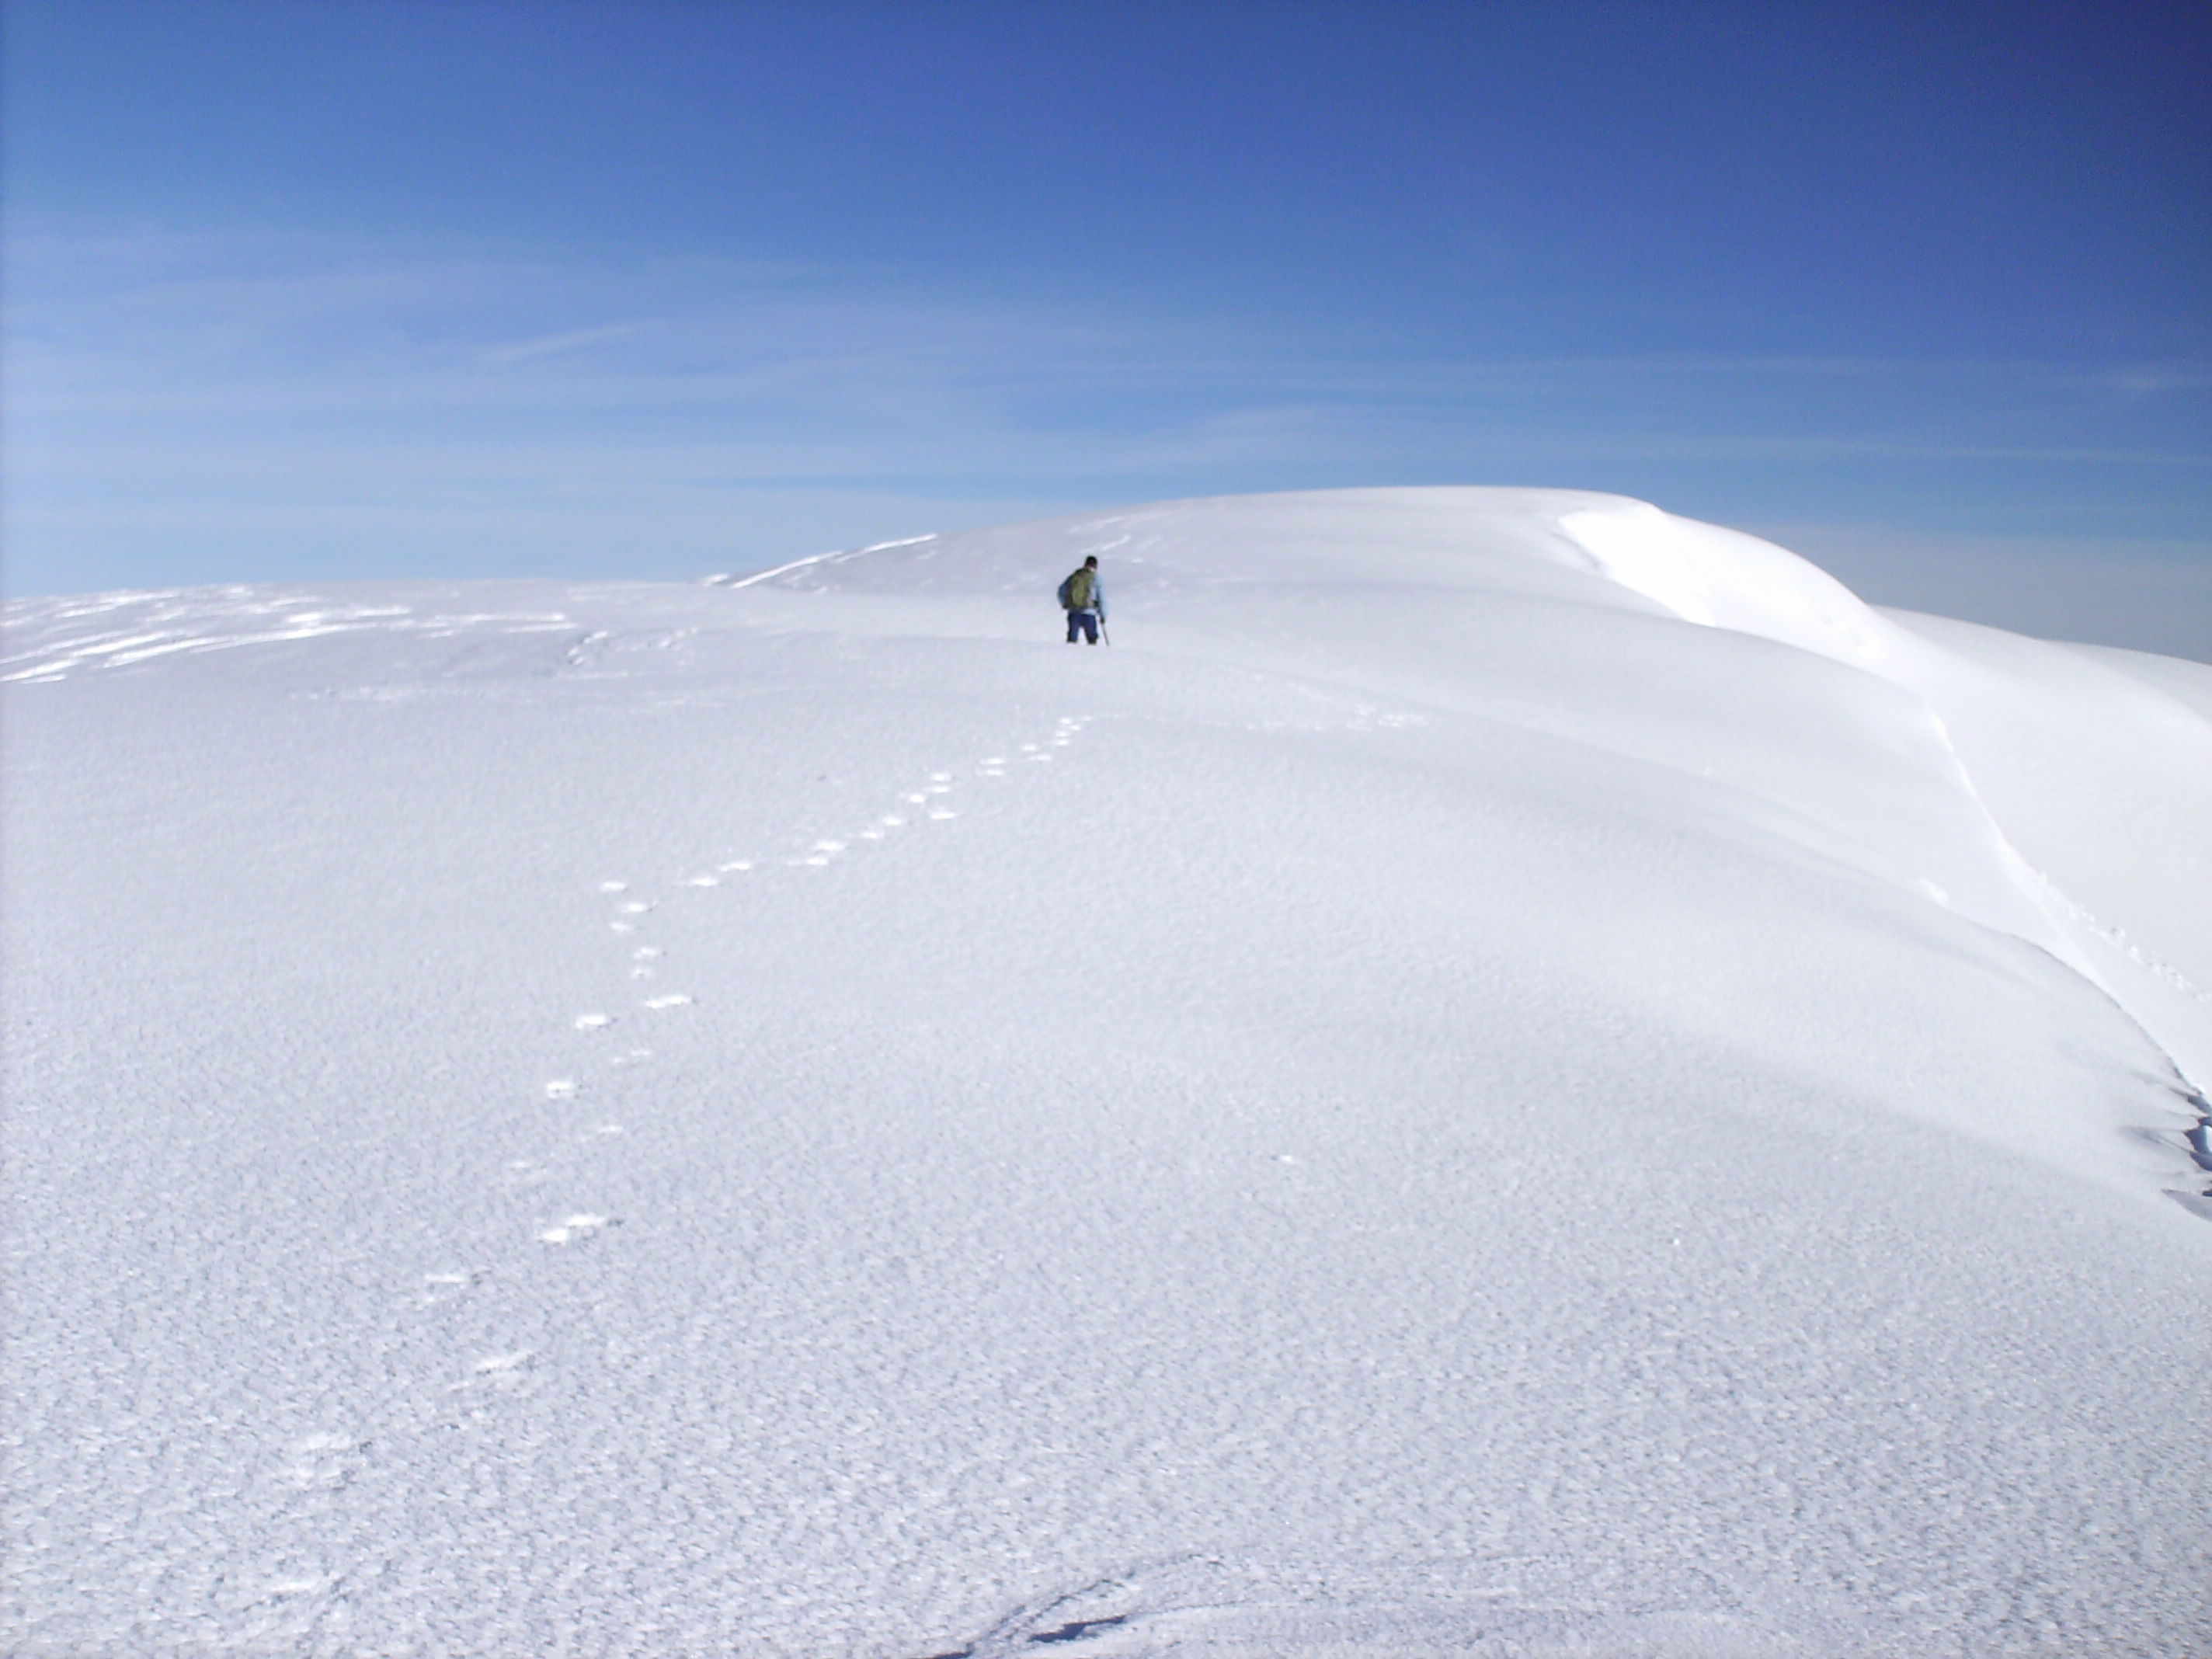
{"x":1501,"y":1074}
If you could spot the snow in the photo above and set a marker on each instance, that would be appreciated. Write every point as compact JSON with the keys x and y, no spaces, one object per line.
{"x":1503,"y":1073}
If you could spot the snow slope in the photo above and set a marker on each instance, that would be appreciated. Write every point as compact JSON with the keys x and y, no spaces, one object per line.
{"x":1503,"y":1073}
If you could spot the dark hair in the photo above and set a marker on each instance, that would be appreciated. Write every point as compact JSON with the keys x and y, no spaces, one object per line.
{"x":1092,"y":561}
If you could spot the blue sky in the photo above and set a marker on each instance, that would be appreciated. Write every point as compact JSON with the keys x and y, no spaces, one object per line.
{"x":360,"y":289}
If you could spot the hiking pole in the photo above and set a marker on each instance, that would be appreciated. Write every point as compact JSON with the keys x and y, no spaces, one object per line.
{"x":1103,"y":634}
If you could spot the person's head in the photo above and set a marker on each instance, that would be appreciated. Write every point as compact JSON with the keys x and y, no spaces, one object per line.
{"x":1092,"y":564}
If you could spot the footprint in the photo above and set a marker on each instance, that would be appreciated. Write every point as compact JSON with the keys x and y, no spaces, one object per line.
{"x":673,"y":1000}
{"x":608,"y":1129}
{"x":561,"y":1088}
{"x":648,"y":952}
{"x":623,"y":927}
{"x":575,"y":1229}
{"x":941,"y":813}
{"x":593,"y":1022}
{"x":735,"y":866}
{"x":494,"y":1365}
{"x":614,"y":887}
{"x":632,"y":1057}
{"x":320,"y":1463}
{"x":440,"y":1288}
{"x":702,"y":881}
{"x":641,"y":972}
{"x":636,"y":908}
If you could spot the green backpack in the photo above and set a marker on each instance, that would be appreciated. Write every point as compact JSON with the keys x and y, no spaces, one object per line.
{"x":1077,"y":592}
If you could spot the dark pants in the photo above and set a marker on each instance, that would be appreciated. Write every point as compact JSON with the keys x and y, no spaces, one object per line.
{"x":1085,"y":620}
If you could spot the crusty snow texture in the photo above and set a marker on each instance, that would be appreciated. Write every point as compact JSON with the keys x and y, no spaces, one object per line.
{"x":1501,"y":1074}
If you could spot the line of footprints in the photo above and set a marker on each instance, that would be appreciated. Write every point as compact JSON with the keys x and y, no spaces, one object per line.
{"x":924,"y":803}
{"x":326,"y":1461}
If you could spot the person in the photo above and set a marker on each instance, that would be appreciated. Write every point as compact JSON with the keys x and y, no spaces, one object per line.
{"x":1083,"y":597}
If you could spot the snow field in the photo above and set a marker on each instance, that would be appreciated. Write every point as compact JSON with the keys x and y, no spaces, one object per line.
{"x":1419,"y":1103}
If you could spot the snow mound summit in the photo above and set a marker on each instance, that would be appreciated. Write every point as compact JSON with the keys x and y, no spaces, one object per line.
{"x":1725,"y":579}
{"x":2087,"y":774}
{"x":1501,"y":1073}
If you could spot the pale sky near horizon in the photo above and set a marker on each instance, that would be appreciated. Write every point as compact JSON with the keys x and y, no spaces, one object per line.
{"x":348,"y":290}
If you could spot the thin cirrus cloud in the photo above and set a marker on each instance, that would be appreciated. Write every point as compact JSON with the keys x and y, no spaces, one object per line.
{"x":169,"y":326}
{"x":552,"y":345}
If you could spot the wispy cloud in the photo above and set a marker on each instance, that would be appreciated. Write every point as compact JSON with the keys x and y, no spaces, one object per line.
{"x":548,"y":345}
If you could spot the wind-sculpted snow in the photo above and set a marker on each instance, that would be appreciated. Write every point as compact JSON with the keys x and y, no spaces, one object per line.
{"x":50,"y":639}
{"x":1503,"y":1073}
{"x":2131,"y":763}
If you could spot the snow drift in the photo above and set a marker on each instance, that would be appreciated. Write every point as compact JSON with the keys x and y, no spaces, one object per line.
{"x":1503,"y":1073}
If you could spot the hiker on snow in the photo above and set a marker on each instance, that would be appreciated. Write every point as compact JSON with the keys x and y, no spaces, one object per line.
{"x":1083,"y":596}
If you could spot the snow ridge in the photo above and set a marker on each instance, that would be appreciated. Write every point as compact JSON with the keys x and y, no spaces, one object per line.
{"x":1721,"y":578}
